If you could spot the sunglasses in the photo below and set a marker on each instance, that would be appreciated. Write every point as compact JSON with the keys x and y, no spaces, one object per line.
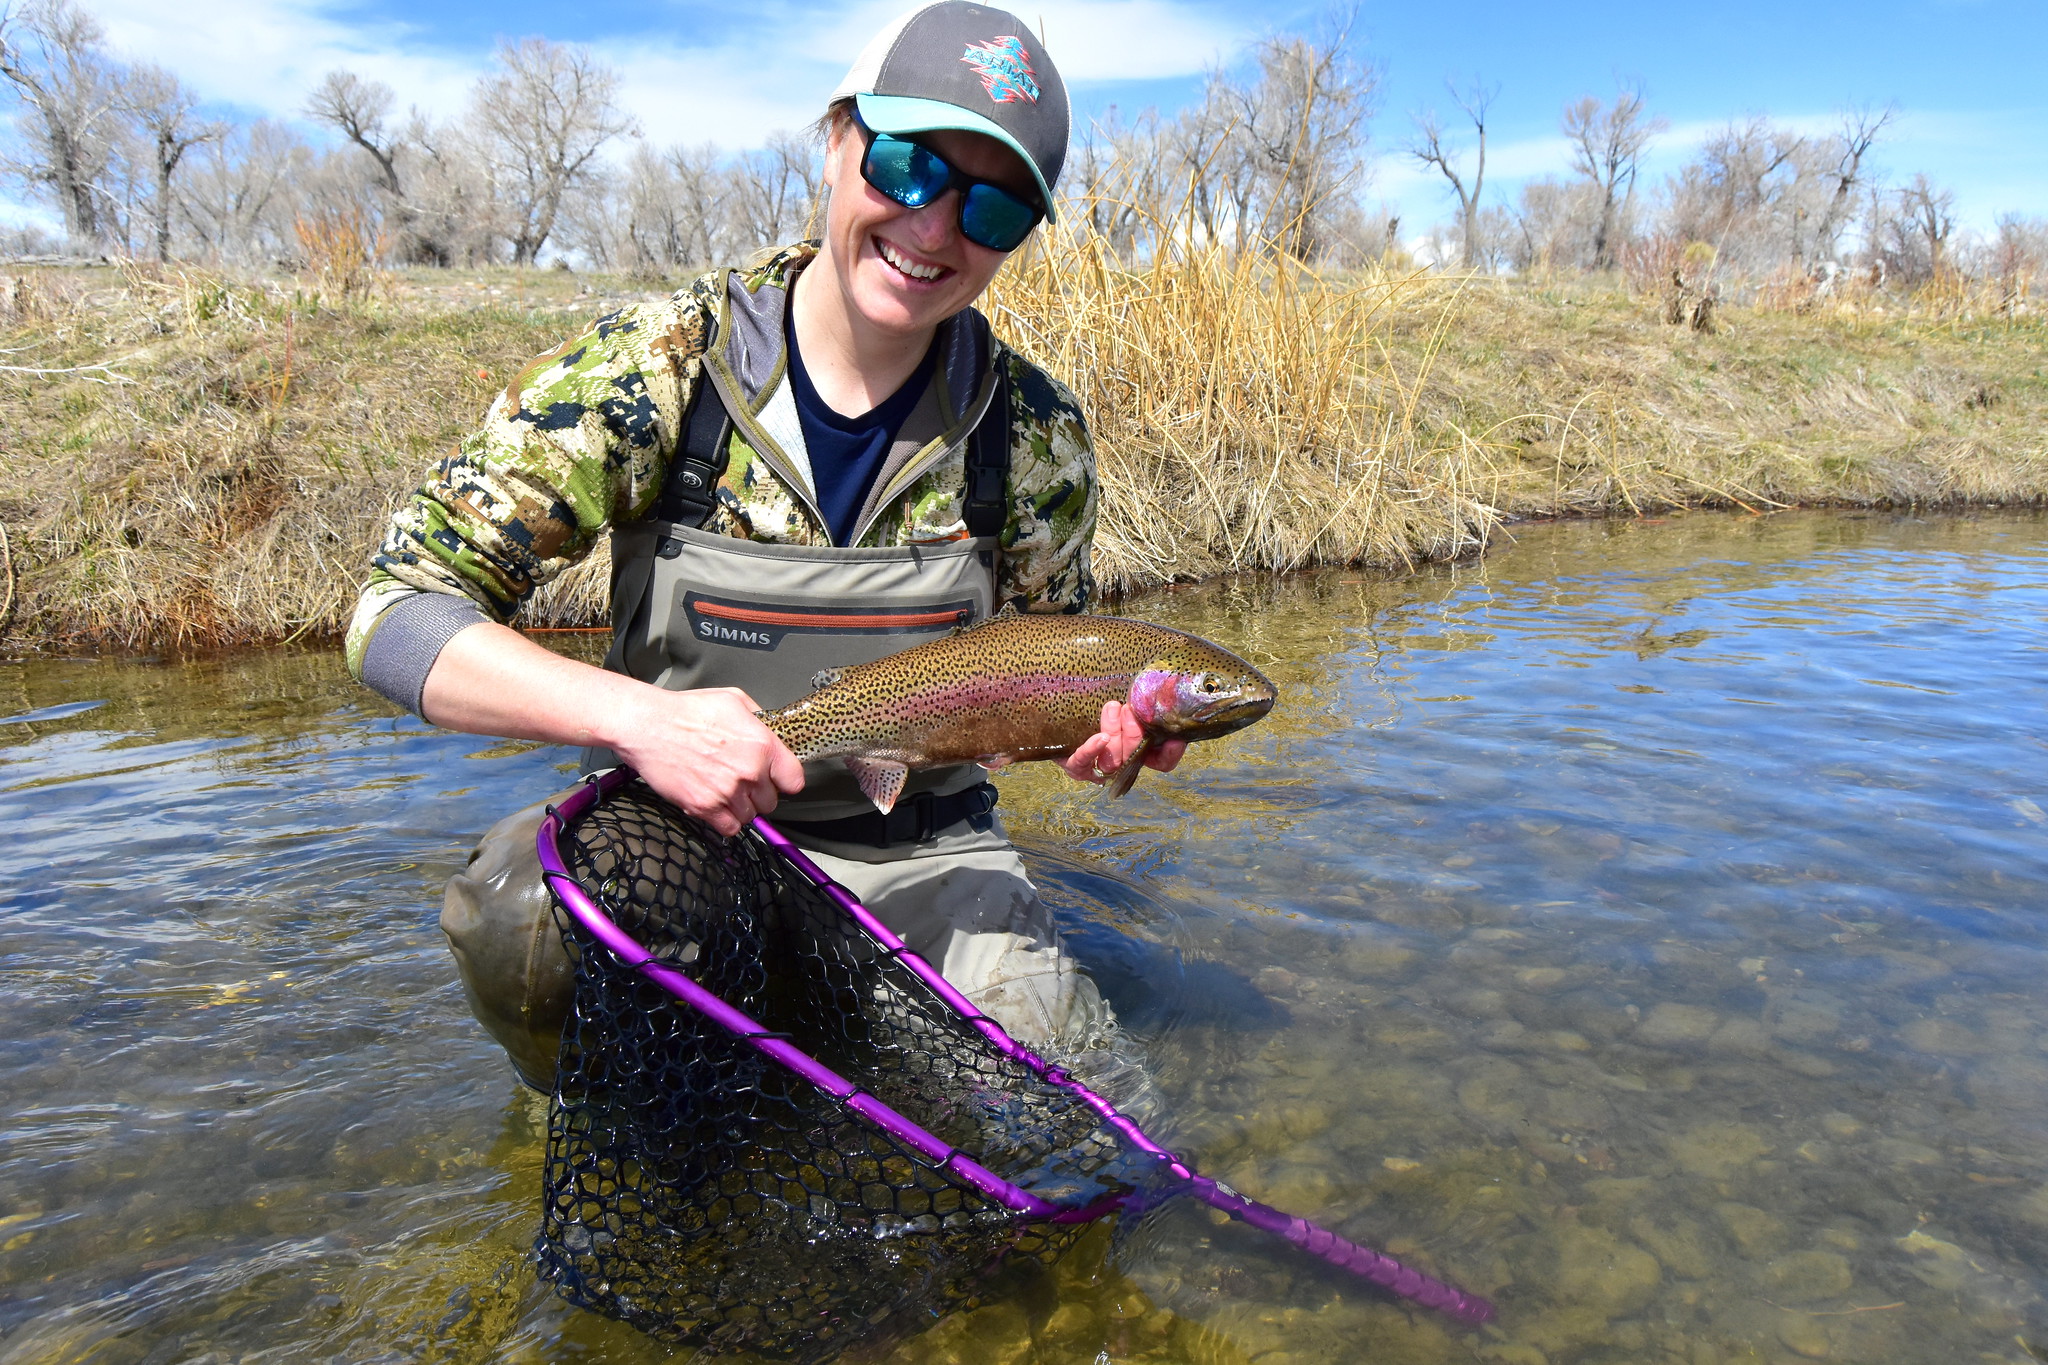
{"x":914,"y":175}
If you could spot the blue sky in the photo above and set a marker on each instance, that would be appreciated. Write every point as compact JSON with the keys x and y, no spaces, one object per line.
{"x":1966,"y":74}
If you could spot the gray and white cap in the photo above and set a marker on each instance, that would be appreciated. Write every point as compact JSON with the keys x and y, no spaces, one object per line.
{"x":955,"y":64}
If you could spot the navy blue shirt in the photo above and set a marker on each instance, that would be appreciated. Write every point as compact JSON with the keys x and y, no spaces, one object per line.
{"x":847,"y":452}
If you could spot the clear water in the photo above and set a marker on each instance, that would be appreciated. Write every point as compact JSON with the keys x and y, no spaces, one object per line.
{"x":1641,"y":926}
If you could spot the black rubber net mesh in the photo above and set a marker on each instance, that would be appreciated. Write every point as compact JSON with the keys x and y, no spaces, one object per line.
{"x":709,"y":1195}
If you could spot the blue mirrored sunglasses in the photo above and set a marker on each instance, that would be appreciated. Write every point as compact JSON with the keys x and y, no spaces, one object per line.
{"x":914,"y":175}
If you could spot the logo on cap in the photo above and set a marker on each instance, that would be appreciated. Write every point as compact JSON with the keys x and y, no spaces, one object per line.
{"x":1004,"y":69}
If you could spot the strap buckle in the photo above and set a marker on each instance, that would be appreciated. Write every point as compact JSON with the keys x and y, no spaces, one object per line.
{"x":923,"y":807}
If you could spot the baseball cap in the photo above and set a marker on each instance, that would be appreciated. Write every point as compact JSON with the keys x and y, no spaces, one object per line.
{"x":955,"y":64}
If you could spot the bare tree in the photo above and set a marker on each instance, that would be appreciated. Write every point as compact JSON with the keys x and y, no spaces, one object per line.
{"x":50,"y":54}
{"x":2017,"y":257}
{"x":239,"y":197}
{"x":772,"y":191}
{"x":1607,"y":149}
{"x":1746,"y":194}
{"x":358,"y":110}
{"x":1860,"y":130}
{"x":542,"y":117}
{"x":163,"y":107}
{"x":1927,"y":218}
{"x":1428,"y":148}
{"x":1304,"y":123}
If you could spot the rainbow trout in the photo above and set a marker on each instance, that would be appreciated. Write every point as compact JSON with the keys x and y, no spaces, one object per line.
{"x":1018,"y":687}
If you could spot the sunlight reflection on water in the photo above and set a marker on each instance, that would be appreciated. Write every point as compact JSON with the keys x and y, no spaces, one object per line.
{"x":1640,"y":927}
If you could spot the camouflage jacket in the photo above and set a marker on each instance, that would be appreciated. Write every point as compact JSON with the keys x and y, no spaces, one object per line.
{"x":581,"y":439}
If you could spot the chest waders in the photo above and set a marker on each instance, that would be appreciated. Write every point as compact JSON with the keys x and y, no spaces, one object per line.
{"x":692,"y":609}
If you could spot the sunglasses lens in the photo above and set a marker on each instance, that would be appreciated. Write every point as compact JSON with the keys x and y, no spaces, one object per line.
{"x":904,"y":171}
{"x":995,"y":218}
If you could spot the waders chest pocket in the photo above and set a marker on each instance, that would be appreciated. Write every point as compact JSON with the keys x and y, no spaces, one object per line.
{"x":764,"y":625}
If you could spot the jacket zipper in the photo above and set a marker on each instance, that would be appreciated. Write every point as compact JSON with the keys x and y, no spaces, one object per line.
{"x":848,"y":621}
{"x":962,"y":433}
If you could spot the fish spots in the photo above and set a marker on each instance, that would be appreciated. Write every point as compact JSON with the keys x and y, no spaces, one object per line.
{"x":1022,"y":685}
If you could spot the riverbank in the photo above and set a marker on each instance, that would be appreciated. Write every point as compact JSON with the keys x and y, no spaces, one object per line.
{"x":193,"y":460}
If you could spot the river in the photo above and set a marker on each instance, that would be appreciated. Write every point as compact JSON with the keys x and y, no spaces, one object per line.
{"x":1641,"y":926}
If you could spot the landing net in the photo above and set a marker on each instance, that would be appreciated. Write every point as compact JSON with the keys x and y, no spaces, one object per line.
{"x":775,"y":1129}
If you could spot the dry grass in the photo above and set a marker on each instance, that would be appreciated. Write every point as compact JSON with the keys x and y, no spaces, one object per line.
{"x":193,"y":460}
{"x":1580,"y":400}
{"x":1247,"y":415}
{"x":220,"y":477}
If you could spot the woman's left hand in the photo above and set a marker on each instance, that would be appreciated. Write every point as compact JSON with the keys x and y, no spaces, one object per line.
{"x":1101,"y":754}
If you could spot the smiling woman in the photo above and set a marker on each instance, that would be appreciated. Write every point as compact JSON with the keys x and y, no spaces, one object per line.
{"x":830,"y":442}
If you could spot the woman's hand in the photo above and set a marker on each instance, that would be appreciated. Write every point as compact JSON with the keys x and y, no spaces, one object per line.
{"x":710,"y":754}
{"x":1102,"y":753}
{"x":706,"y":751}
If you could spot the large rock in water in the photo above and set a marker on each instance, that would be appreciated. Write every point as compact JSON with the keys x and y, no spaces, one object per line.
{"x":1601,"y":1271}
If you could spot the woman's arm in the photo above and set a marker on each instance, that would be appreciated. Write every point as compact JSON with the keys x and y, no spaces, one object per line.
{"x":705,"y":750}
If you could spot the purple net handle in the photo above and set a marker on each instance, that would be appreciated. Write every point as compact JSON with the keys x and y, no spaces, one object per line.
{"x":622,"y":945}
{"x":1381,"y":1269}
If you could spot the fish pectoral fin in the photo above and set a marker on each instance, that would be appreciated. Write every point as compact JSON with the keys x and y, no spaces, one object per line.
{"x":995,"y":761}
{"x":1120,"y":781}
{"x":881,"y":780}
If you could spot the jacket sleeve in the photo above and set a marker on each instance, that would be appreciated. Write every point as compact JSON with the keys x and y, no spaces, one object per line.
{"x":581,"y":438}
{"x":1049,"y":539}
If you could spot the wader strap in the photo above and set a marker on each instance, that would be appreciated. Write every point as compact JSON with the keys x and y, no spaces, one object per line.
{"x":692,"y":487}
{"x":916,"y":818}
{"x":988,"y":462}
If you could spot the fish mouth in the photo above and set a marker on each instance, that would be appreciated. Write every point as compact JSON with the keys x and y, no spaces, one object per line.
{"x":1228,"y":714}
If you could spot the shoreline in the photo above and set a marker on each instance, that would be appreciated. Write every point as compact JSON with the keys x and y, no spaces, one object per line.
{"x":207,"y":462}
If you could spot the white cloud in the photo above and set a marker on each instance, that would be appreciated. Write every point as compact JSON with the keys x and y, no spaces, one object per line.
{"x":269,"y":54}
{"x":1091,"y":40}
{"x":693,"y":95}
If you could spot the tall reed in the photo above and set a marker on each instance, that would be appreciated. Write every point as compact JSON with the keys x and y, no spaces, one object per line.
{"x":1245,"y":411}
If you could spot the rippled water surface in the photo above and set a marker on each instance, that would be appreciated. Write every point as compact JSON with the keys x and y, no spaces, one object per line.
{"x":1643,"y":927}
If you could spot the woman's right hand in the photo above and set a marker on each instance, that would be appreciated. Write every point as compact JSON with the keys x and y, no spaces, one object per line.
{"x":708,"y":752}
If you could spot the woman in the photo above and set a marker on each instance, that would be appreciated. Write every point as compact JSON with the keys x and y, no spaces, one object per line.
{"x":818,"y":460}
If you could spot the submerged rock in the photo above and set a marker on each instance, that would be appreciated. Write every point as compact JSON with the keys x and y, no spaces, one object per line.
{"x":1942,"y":1037}
{"x":1601,"y":1271}
{"x":1716,"y":1150}
{"x":1670,"y":1025}
{"x":1756,"y":1233}
{"x":1679,"y":1242}
{"x":1804,"y":1336}
{"x":1806,"y":1276}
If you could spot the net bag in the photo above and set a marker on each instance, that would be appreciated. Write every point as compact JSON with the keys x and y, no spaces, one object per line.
{"x":775,"y":1129}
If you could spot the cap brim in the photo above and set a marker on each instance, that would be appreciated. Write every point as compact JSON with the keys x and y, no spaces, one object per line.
{"x":908,"y":114}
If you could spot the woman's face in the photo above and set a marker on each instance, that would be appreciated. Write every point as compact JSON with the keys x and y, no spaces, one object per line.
{"x":906,"y":270}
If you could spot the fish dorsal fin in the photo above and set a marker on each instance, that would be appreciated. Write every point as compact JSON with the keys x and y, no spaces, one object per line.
{"x":881,"y":780}
{"x":825,"y":677}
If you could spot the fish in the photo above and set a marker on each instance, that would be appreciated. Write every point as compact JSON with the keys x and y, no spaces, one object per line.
{"x":1017,"y":687}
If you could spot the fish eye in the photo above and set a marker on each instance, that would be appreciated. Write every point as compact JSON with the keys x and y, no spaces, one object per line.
{"x":1210,"y":683}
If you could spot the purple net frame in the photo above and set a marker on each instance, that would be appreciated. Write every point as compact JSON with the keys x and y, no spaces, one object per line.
{"x":1378,"y":1268}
